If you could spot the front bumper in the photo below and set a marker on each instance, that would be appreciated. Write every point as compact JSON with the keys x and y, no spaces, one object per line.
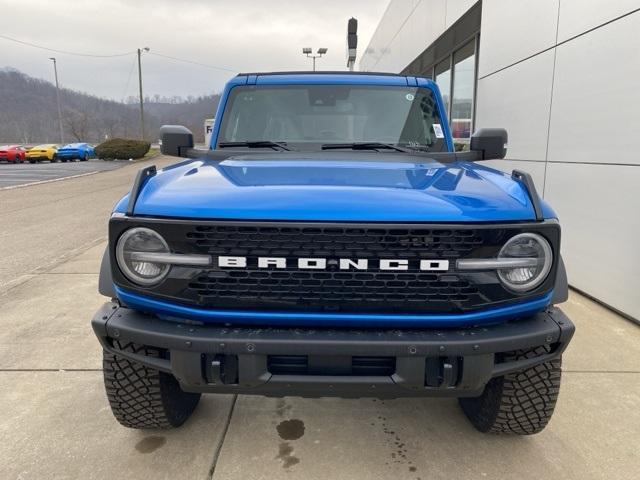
{"x":322,"y":362}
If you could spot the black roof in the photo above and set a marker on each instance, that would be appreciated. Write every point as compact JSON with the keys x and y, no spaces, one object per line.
{"x":319,"y":72}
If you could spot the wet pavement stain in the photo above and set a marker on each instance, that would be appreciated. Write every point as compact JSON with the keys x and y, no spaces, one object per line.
{"x":397,"y":446}
{"x":150,"y":444}
{"x":282,"y":407}
{"x":284,"y":454}
{"x":290,"y":429}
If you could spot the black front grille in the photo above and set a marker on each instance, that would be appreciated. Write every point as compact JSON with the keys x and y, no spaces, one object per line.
{"x":335,"y":242}
{"x":332,"y":289}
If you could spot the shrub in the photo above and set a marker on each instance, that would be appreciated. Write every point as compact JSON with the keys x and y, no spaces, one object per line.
{"x":122,"y":148}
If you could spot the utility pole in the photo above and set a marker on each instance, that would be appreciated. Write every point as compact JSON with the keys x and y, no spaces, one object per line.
{"x":307,"y":51}
{"x":146,"y":49}
{"x":55,"y":71}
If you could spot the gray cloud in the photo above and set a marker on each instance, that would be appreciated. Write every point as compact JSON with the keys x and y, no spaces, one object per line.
{"x":246,"y":35}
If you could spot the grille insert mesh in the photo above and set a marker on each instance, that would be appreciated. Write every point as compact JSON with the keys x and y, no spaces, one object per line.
{"x":333,"y":289}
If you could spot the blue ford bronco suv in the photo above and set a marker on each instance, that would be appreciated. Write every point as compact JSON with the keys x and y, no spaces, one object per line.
{"x":332,"y":242}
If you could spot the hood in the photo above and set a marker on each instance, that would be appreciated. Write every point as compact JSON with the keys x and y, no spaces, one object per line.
{"x":367,"y":187}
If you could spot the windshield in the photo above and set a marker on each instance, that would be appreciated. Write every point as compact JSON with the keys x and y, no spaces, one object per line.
{"x":310,"y":116}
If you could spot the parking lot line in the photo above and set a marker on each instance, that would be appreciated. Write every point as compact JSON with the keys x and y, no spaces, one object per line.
{"x":11,"y":187}
{"x":31,"y":174}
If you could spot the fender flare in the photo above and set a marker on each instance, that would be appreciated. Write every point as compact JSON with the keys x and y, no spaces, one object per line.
{"x":561,"y":287}
{"x":105,"y":280}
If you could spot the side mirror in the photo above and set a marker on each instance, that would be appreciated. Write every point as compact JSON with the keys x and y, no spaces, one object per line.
{"x":175,"y":140}
{"x":490,"y":143}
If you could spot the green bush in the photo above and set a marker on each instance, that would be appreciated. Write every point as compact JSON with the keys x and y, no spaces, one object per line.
{"x":122,"y":148}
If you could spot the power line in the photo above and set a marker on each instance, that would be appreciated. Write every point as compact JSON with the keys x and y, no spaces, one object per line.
{"x":192,"y":62}
{"x":126,"y":88}
{"x":64,"y":51}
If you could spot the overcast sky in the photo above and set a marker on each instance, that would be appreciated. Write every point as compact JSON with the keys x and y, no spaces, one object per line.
{"x":242,"y":35}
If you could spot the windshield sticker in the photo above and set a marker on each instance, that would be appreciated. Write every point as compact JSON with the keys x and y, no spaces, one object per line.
{"x":437,"y":129}
{"x":409,"y":96}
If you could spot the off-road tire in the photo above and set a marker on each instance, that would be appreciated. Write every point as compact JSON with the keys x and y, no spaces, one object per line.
{"x":520,"y":403}
{"x":141,"y":397}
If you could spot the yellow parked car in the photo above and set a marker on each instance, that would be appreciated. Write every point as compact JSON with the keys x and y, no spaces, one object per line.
{"x":47,"y":151}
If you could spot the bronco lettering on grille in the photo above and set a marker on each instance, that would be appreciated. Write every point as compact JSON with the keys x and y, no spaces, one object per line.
{"x":340,"y":264}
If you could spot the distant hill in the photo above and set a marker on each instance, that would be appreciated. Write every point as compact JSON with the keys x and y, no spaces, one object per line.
{"x":28,"y":113}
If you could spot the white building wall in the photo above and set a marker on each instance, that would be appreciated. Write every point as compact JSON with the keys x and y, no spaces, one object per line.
{"x":407,"y":28}
{"x":514,"y":30}
{"x":562,"y":77}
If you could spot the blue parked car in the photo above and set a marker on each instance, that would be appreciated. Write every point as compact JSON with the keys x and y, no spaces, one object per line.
{"x":332,"y":242}
{"x":76,"y":151}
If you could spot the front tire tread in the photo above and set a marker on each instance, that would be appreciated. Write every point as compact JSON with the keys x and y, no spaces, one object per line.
{"x":141,"y":397}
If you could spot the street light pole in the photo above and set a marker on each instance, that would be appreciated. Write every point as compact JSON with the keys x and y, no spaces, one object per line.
{"x":352,"y":42}
{"x":146,"y":49}
{"x":55,"y":71}
{"x":307,"y":51}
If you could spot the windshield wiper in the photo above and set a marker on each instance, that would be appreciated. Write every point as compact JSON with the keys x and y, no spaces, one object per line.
{"x":256,"y":144}
{"x":364,"y":146}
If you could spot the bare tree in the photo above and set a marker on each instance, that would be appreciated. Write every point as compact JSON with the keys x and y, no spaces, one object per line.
{"x":77,"y":123}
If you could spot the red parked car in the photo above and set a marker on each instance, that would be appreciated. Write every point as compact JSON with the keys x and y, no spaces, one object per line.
{"x":13,"y":153}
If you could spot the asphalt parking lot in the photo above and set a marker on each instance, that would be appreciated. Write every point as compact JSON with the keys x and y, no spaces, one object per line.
{"x":24,"y":173}
{"x":56,"y":422}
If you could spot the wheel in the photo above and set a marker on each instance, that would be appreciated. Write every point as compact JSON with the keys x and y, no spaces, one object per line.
{"x":32,"y":161}
{"x":54,"y":159}
{"x":63,"y":160}
{"x":141,"y":397}
{"x":84,"y":158}
{"x":519,"y":403}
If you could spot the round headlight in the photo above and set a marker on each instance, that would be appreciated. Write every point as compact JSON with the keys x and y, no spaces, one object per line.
{"x":131,"y":247}
{"x":526,"y":246}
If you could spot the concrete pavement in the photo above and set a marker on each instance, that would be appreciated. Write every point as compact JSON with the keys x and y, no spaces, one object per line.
{"x":12,"y":174}
{"x":56,"y":423}
{"x":43,"y":224}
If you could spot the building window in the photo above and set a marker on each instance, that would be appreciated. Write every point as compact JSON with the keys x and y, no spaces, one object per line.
{"x":464,"y":68}
{"x":455,"y":75}
{"x":442,"y":75}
